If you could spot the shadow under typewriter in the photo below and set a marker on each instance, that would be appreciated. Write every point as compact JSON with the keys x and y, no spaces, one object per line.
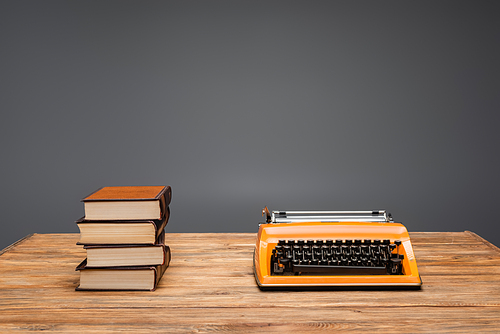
{"x":334,"y":250}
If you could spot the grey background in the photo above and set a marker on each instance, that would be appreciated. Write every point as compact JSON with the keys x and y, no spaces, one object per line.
{"x":311,"y":105}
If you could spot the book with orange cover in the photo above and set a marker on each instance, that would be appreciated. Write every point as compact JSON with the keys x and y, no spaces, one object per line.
{"x":128,"y":203}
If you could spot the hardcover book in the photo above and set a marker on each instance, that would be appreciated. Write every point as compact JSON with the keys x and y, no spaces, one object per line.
{"x":126,"y":255}
{"x":127,"y":203}
{"x":122,"y":278}
{"x":98,"y":232}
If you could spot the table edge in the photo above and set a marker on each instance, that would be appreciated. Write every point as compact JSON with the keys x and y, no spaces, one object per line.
{"x":484,"y":241}
{"x":6,"y":249}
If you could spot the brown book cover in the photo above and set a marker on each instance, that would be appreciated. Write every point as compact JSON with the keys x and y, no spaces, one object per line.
{"x":127,"y":202}
{"x":121,"y":232}
{"x":121,"y":278}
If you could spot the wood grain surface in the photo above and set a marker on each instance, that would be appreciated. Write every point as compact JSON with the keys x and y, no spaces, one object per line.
{"x":210,"y":287}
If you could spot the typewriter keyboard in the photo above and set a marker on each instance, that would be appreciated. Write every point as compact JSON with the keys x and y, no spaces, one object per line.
{"x":337,"y":257}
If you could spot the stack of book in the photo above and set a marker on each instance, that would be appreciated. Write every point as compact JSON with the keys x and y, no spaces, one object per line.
{"x":123,"y":232}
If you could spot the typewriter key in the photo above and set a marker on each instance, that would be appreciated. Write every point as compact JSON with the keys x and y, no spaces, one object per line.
{"x":336,"y":250}
{"x":356,"y":250}
{"x":395,"y":266}
{"x":365,"y":250}
{"x":397,"y":243}
{"x":296,"y":252}
{"x":344,"y":250}
{"x":325,"y":251}
{"x":316,"y":252}
{"x":287,"y":250}
{"x":278,"y":249}
{"x":306,"y":249}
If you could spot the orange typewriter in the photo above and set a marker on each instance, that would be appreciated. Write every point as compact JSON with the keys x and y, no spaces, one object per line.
{"x":333,"y":249}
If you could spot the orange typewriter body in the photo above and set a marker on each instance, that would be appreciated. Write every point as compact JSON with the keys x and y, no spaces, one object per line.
{"x":301,"y":243}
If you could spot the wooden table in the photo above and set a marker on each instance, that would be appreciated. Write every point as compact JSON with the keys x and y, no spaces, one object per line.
{"x":210,"y":287}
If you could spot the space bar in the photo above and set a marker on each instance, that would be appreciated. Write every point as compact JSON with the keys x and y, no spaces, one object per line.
{"x":339,"y":270}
